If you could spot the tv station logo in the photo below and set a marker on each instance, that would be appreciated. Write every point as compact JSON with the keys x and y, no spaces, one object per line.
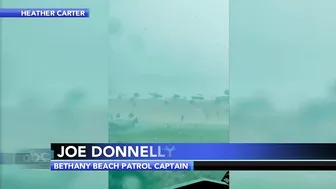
{"x":34,"y":158}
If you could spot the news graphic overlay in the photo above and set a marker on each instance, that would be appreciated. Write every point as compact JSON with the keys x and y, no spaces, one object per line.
{"x":34,"y":158}
{"x":45,"y":13}
{"x":226,"y":178}
{"x":115,"y":157}
{"x":193,"y":156}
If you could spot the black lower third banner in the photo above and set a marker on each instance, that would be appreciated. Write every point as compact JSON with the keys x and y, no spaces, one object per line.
{"x":265,"y":165}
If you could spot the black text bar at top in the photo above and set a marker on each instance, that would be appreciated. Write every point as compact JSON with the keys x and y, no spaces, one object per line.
{"x":310,"y":165}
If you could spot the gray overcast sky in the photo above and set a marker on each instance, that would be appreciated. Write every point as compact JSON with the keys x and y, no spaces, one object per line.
{"x":170,"y":46}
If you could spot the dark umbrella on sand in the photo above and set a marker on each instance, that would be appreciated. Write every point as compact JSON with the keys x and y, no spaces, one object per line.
{"x":227,"y":92}
{"x":197,"y":97}
{"x":117,"y":115}
{"x":74,"y":97}
{"x":131,"y":115}
{"x":136,"y":95}
{"x":176,"y":96}
{"x":155,"y":95}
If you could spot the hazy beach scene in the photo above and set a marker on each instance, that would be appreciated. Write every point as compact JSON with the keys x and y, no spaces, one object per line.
{"x":169,"y":79}
{"x":174,"y":71}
